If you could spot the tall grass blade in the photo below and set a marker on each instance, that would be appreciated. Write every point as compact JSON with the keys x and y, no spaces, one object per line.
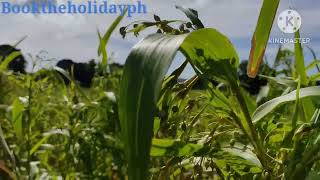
{"x":314,"y":57}
{"x":261,"y":35}
{"x":299,"y":60}
{"x":314,"y":64}
{"x":106,"y":37}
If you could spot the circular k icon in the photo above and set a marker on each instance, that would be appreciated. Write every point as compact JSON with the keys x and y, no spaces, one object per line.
{"x":289,"y":21}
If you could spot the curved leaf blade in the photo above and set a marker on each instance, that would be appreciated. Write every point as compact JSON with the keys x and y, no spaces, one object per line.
{"x":142,"y":78}
{"x":269,"y":106}
{"x":192,"y":15}
{"x":5,"y":63}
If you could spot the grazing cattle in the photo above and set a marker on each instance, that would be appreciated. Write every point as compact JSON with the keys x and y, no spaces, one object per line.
{"x":17,"y":64}
{"x":253,"y":85}
{"x":81,"y":72}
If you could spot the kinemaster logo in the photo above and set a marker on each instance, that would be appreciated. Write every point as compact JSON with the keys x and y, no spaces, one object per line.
{"x":289,"y":22}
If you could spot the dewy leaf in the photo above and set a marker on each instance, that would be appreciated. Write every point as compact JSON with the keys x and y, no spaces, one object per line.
{"x":299,"y":60}
{"x":261,"y":35}
{"x":142,"y":78}
{"x":269,"y":106}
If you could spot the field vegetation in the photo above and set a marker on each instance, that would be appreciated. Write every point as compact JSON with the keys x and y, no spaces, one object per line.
{"x":248,"y":120}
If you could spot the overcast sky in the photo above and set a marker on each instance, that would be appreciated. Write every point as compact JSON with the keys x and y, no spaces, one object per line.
{"x":75,"y":37}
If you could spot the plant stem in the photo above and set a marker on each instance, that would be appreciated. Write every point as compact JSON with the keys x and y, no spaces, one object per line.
{"x":28,"y":126}
{"x":253,"y":135}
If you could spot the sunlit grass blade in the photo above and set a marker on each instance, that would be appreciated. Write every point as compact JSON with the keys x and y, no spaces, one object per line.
{"x":105,"y":39}
{"x":315,"y":59}
{"x":313,"y":65}
{"x":261,"y":35}
{"x":299,"y":61}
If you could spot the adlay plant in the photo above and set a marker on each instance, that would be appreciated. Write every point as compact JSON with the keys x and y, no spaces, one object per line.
{"x":241,"y":140}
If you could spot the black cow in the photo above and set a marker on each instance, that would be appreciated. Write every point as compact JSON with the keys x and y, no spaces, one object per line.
{"x":17,"y":64}
{"x":81,"y":72}
{"x":253,"y":85}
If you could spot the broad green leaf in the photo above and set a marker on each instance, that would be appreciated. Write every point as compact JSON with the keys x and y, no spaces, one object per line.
{"x":213,"y":54}
{"x":299,"y":60}
{"x":261,"y":35}
{"x":17,"y":119}
{"x":105,"y":39}
{"x":269,"y":106}
{"x":141,"y":83}
{"x":169,"y":147}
